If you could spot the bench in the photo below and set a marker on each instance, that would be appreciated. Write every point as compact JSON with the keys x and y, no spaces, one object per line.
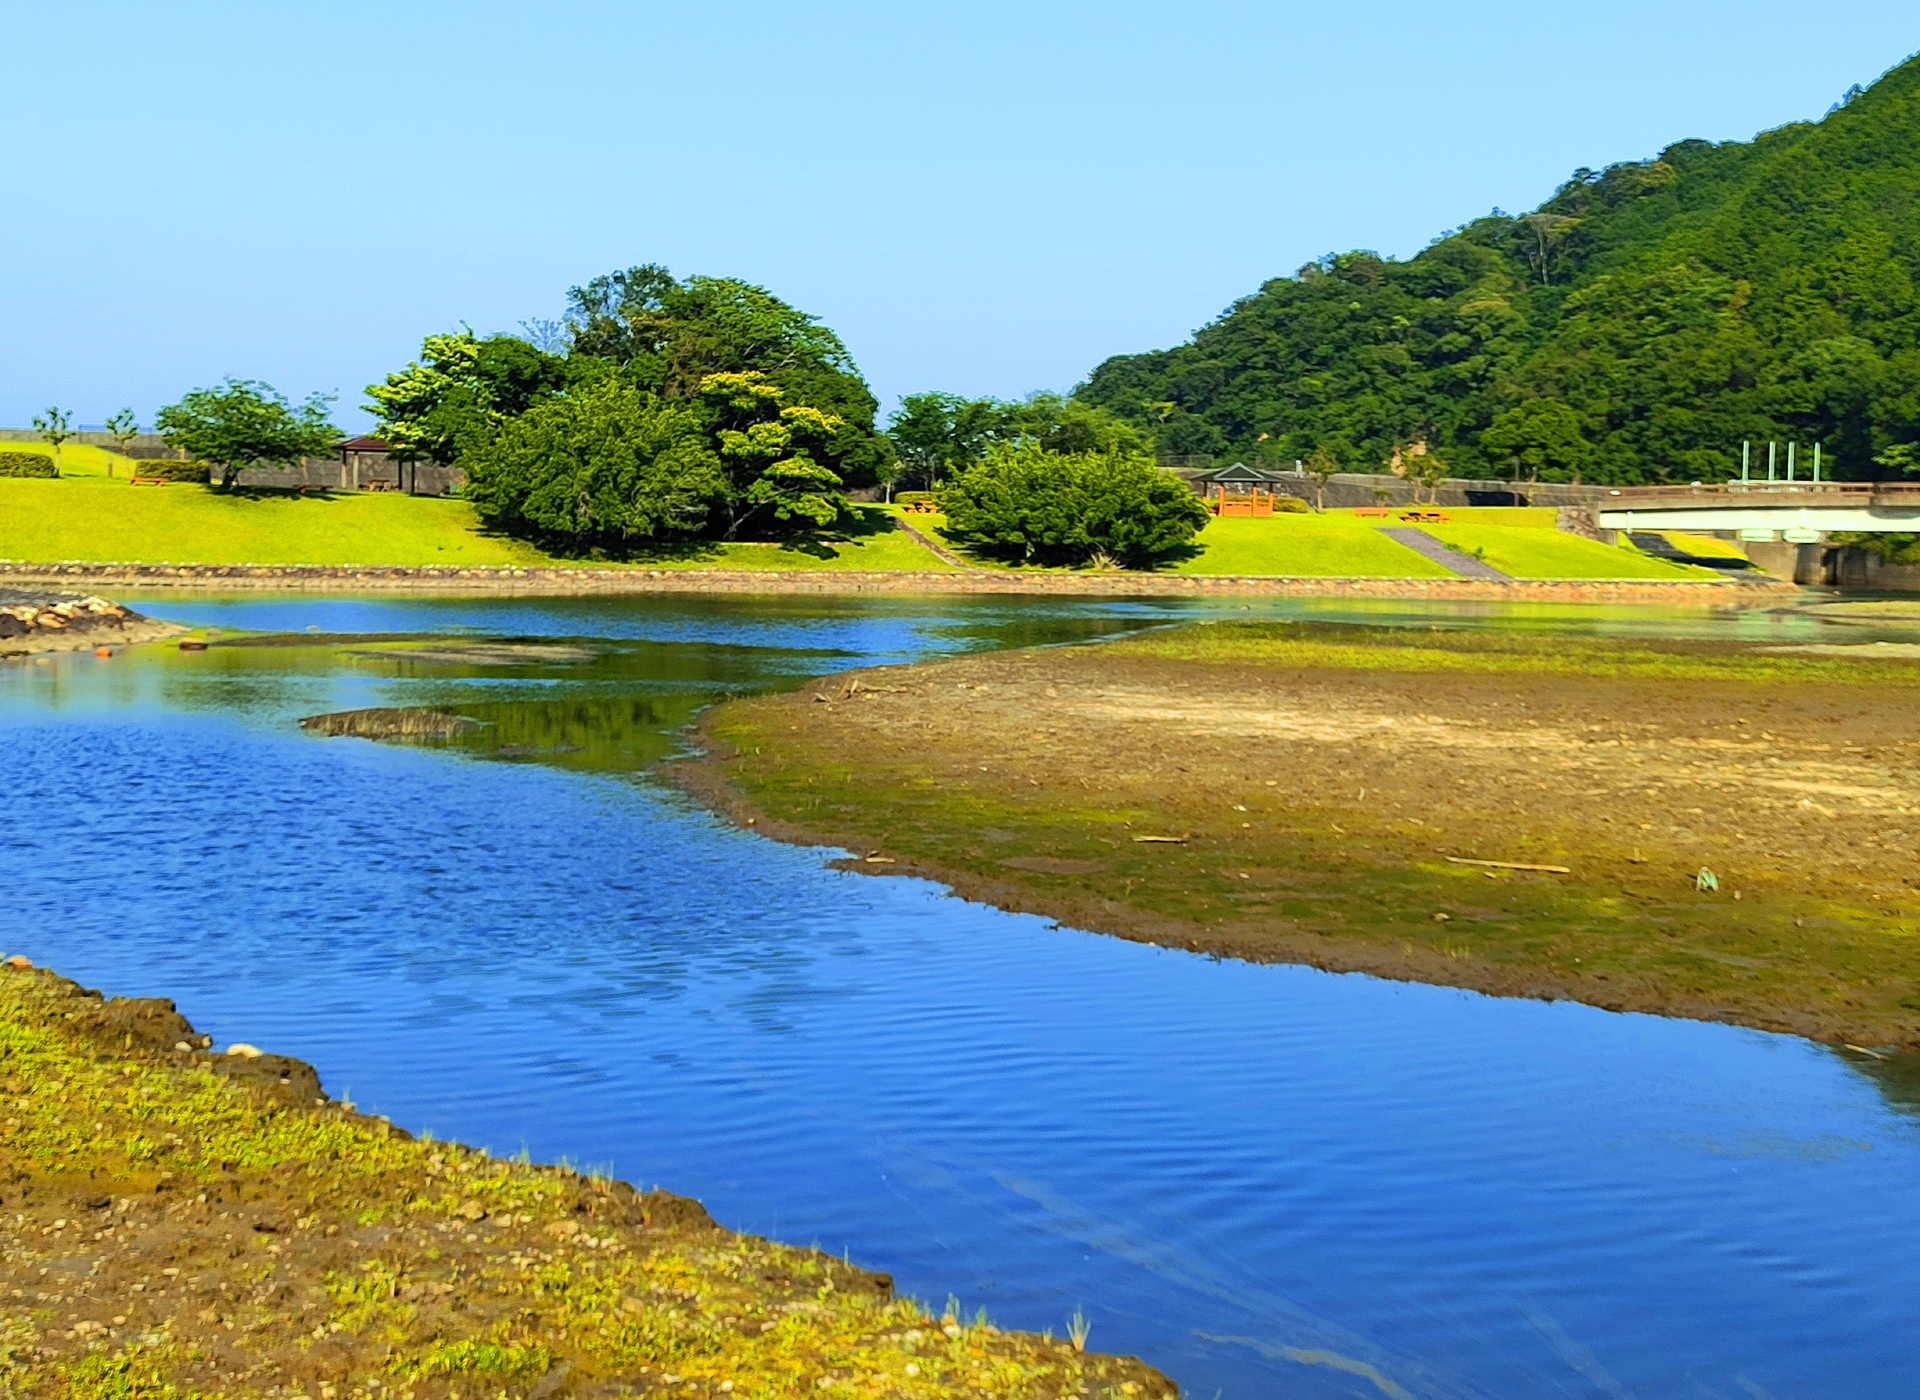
{"x":149,"y":481}
{"x":1380,"y":511}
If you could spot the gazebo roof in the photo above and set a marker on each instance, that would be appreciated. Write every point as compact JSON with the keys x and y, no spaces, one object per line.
{"x":364,"y":444}
{"x":1239,"y":471}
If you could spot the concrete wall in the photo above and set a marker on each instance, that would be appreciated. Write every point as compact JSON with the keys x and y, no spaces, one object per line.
{"x":1351,"y":489}
{"x":416,"y":478}
{"x":147,"y":446}
{"x":1849,"y":566}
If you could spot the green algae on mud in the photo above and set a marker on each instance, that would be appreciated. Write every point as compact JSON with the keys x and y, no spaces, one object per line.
{"x":191,"y":1224}
{"x":1311,"y":782}
{"x":1485,"y":652}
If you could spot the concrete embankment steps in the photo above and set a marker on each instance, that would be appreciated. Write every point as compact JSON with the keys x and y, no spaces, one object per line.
{"x":1421,"y":543}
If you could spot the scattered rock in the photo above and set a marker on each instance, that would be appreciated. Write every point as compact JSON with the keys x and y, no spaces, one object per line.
{"x":34,"y":621}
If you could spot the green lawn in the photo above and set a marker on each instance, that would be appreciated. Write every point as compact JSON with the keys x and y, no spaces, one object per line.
{"x":94,"y":519}
{"x":1320,"y":546}
{"x":876,"y":544}
{"x":97,"y":520}
{"x":1520,"y":541}
{"x":80,"y":459}
{"x":1528,"y":553}
{"x":1517,"y":540}
{"x":1703,"y":546}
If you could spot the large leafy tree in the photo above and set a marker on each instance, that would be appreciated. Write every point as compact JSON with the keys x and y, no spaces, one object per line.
{"x":938,"y":434}
{"x":242,"y":423}
{"x":1541,"y":438}
{"x":613,"y":465}
{"x":670,"y":335}
{"x":1029,"y":505}
{"x":461,"y":389}
{"x":610,"y":466}
{"x":779,"y":457}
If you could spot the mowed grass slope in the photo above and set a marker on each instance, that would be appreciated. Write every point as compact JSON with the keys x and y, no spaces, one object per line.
{"x":1520,"y":541}
{"x":1555,"y":554}
{"x":95,"y":520}
{"x":101,"y":521}
{"x":80,"y":458}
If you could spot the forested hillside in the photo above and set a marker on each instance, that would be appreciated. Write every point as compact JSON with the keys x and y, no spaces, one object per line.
{"x":1674,"y":306}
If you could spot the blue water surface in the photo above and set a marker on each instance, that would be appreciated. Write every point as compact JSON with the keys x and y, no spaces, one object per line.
{"x":1265,"y":1180}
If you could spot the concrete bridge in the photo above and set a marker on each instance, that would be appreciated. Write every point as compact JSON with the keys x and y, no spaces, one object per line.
{"x":1796,"y":512}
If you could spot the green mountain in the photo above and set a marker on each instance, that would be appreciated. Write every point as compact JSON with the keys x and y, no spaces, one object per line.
{"x":1749,"y":290}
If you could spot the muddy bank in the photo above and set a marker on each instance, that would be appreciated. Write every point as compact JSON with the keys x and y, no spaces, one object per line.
{"x":182,"y":1221}
{"x":1115,"y":584}
{"x":1358,"y":803}
{"x":33,"y":620}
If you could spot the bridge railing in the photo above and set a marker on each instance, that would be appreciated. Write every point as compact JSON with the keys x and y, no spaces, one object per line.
{"x":1905,"y":493}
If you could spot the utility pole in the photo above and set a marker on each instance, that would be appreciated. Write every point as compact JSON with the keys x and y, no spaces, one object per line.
{"x":1770,"y":450}
{"x":1790,"y":447}
{"x":1816,"y":464}
{"x":1744,"y":452}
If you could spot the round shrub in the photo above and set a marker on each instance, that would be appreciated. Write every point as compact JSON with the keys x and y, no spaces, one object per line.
{"x":174,"y":469}
{"x":1031,"y":506}
{"x":37,"y":464}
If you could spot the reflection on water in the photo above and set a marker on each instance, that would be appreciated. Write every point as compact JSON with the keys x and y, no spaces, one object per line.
{"x":1267,"y":1180}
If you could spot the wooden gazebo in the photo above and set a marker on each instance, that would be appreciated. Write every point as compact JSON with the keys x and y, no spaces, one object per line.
{"x":1237,"y":490}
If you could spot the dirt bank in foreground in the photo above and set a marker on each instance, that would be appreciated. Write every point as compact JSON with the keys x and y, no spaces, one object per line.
{"x":33,"y":620}
{"x":1286,"y":792}
{"x":565,"y":582}
{"x":182,"y":1223}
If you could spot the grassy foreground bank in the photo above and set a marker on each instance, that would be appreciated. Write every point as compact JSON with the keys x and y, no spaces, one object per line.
{"x":95,"y":520}
{"x":1368,"y":799}
{"x":188,"y":1224}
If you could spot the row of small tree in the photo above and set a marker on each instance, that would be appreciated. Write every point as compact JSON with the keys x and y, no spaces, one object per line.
{"x":55,"y":426}
{"x":239,"y":424}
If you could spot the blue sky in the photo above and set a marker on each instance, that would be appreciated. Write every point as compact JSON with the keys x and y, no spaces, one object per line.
{"x":983,"y":197}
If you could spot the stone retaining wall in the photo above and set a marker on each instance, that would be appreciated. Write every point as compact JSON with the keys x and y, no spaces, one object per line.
{"x":564,"y":581}
{"x":1349,"y":489}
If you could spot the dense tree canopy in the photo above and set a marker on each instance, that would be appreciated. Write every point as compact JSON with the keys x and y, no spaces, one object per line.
{"x":669,"y":336}
{"x":462,"y":387}
{"x":1027,"y":504}
{"x":612,"y":465}
{"x":936,"y":435}
{"x":662,"y":409}
{"x":1676,"y":306}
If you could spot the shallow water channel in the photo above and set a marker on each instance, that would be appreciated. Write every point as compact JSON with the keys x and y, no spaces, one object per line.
{"x":1265,"y":1180}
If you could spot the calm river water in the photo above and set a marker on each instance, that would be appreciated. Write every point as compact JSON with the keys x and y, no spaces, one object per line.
{"x":1268,"y":1181}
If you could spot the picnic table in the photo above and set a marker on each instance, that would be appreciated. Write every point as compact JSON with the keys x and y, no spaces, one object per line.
{"x":1428,"y":517}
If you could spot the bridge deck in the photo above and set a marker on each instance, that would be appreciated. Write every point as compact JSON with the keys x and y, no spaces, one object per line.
{"x":1740,"y":505}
